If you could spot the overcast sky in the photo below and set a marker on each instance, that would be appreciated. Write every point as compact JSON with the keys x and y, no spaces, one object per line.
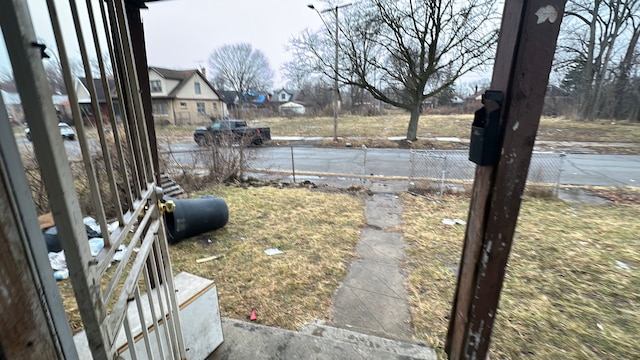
{"x":181,"y":34}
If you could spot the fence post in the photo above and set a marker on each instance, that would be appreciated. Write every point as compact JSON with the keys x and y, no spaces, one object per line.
{"x":364,"y":164}
{"x":444,"y":176}
{"x":562,"y":157}
{"x":293,"y":166}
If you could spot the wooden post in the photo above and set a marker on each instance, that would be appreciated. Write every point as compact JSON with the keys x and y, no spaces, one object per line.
{"x":525,"y":52}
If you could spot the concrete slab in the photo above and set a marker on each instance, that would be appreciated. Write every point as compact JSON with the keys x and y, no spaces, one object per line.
{"x":244,"y":340}
{"x":371,"y":312}
{"x":383,"y":211}
{"x":385,"y":279}
{"x":382,"y":246}
{"x":322,"y":329}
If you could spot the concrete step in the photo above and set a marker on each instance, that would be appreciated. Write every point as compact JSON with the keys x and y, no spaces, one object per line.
{"x":244,"y":340}
{"x":387,"y":345}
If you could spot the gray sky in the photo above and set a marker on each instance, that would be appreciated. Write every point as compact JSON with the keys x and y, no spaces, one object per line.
{"x":182,"y":33}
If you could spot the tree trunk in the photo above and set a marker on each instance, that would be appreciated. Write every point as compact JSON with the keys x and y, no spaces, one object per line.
{"x":623,"y":76}
{"x":586,"y":107}
{"x":412,"y":131}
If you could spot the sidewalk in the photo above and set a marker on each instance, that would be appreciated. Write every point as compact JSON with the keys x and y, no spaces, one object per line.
{"x":373,"y":297}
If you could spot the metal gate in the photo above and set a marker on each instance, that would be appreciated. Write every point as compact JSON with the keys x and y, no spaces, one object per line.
{"x":134,"y":298}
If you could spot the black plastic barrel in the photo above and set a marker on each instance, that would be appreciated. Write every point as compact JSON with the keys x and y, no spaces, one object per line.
{"x":192,"y":217}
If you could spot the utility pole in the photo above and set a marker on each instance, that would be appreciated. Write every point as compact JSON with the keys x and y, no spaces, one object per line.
{"x":336,"y":91}
{"x":336,"y":39}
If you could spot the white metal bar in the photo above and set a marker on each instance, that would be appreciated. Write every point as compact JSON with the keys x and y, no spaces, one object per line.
{"x":96,"y":194}
{"x":134,"y":83}
{"x":116,"y":133}
{"x":118,"y":311}
{"x":26,"y":58}
{"x":166,"y":263}
{"x":152,"y":306}
{"x":124,"y":93}
{"x":107,"y":91}
{"x":123,"y":232}
{"x":176,"y":343}
{"x":169,"y":332}
{"x":143,"y":324}
{"x":130,"y":341}
{"x":115,"y":278}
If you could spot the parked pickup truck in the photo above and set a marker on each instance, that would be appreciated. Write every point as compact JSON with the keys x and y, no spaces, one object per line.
{"x":234,"y":130}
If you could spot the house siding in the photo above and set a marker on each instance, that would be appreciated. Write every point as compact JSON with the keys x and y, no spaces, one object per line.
{"x":175,"y":92}
{"x":167,"y":84}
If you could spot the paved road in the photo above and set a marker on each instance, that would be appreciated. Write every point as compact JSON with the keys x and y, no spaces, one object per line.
{"x":576,"y":169}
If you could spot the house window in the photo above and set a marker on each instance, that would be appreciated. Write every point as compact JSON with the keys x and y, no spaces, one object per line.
{"x":215,"y":106}
{"x":183,"y":105}
{"x":283,"y":96}
{"x":197,"y":87}
{"x":160,"y":108}
{"x":156,"y":86}
{"x":201,"y":109}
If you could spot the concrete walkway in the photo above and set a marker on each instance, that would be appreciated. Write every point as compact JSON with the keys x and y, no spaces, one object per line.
{"x":373,"y":298}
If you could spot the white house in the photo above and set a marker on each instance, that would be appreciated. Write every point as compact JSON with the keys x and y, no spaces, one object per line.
{"x":291,"y":109}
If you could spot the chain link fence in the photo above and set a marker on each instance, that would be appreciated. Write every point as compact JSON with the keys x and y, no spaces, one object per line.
{"x":438,"y":172}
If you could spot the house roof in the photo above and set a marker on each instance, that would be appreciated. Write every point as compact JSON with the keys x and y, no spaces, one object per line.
{"x":291,"y":105}
{"x":229,"y":96}
{"x":97,"y":83}
{"x":283,"y":90}
{"x":182,"y":76}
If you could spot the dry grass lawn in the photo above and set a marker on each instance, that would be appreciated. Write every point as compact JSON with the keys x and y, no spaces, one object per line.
{"x":431,"y":125}
{"x":571,"y":289}
{"x":317,"y":232}
{"x":565,"y":295}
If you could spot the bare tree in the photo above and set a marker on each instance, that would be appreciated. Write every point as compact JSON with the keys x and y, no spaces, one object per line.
{"x":593,"y":40}
{"x":240,"y":68}
{"x":405,"y":51}
{"x":7,"y":82}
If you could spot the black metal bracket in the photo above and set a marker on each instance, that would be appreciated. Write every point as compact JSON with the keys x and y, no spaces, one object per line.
{"x":42,"y":48}
{"x":485,"y":130}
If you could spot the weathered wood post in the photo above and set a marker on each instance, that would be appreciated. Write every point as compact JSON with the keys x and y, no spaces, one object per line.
{"x":525,"y":52}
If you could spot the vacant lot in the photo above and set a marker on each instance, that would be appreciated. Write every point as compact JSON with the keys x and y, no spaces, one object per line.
{"x":571,"y":289}
{"x":395,"y":124}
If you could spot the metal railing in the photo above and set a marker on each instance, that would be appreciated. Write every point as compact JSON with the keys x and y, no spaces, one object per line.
{"x":116,"y":169}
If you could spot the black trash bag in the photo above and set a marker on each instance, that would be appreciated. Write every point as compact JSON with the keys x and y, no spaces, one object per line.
{"x":53,"y":242}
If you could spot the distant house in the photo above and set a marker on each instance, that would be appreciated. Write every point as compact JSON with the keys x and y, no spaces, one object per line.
{"x":13,"y":105}
{"x":291,"y":109}
{"x":183,"y":97}
{"x":282,"y":96}
{"x":231,"y":100}
{"x":256,"y":99}
{"x":84,"y":99}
